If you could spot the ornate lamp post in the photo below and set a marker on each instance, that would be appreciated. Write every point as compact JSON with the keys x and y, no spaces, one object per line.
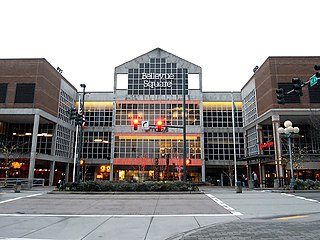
{"x":289,"y":132}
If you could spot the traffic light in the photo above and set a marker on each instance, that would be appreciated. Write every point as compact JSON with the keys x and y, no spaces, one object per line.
{"x":188,"y":161}
{"x":73,"y":113}
{"x":135,"y":124}
{"x":79,"y":120}
{"x":297,"y":86}
{"x":159,"y":125}
{"x":82,"y":162}
{"x":280,"y":95}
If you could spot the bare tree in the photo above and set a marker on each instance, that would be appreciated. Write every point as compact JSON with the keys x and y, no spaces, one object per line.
{"x":229,"y":173}
{"x":9,"y":156}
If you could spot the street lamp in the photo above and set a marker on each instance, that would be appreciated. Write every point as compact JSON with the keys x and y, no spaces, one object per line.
{"x":289,"y":132}
{"x":80,"y":135}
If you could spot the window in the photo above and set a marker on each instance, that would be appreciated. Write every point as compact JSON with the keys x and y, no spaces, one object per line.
{"x":3,"y":92}
{"x":25,"y":93}
{"x":314,"y":93}
{"x":157,"y":78}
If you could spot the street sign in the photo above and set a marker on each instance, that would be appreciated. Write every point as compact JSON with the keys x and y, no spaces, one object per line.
{"x":145,"y":125}
{"x":313,"y":80}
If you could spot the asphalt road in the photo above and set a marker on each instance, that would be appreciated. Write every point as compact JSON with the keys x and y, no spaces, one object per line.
{"x":217,"y":213}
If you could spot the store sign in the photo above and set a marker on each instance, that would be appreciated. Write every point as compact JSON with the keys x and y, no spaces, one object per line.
{"x":156,"y":80}
{"x":265,"y":145}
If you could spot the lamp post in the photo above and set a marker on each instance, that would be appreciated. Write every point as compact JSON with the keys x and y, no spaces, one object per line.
{"x":80,"y":135}
{"x":288,"y":132}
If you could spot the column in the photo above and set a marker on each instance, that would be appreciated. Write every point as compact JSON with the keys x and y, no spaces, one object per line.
{"x":263,"y":173}
{"x":33,"y":152}
{"x":66,"y":171}
{"x":51,"y":176}
{"x":277,"y":148}
{"x":262,"y":176}
{"x":203,"y":171}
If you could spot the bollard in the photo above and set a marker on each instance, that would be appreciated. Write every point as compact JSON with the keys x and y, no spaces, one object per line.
{"x":238,"y":187}
{"x":17,"y":186}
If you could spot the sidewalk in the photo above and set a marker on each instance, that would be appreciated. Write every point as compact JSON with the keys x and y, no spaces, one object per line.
{"x":267,"y":214}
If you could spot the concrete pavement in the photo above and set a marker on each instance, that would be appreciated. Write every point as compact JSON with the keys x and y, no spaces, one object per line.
{"x":266,"y":215}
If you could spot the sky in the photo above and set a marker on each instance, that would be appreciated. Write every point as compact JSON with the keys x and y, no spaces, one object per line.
{"x":227,"y":38}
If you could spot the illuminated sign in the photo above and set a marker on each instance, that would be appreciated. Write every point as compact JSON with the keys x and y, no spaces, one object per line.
{"x":156,"y":80}
{"x":265,"y":145}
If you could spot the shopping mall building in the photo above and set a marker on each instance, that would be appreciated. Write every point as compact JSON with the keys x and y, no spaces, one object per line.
{"x":35,"y":100}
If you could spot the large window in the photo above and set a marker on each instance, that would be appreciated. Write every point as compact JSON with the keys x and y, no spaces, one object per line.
{"x":219,"y":114}
{"x":99,"y":114}
{"x":219,"y":145}
{"x":157,"y":77}
{"x":252,"y":142}
{"x":96,"y":145}
{"x":3,"y":92}
{"x":170,"y":114}
{"x":249,"y":107}
{"x":65,"y":103}
{"x":156,"y":147}
{"x":25,"y":93}
{"x":64,"y":142}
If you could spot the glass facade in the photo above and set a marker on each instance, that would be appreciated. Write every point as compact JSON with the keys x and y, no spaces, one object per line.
{"x":170,"y":113}
{"x":97,"y":135}
{"x":156,"y":146}
{"x":249,"y":107}
{"x":157,"y":77}
{"x":218,"y":135}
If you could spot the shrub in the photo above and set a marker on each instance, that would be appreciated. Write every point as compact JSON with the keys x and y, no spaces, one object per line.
{"x":121,"y":186}
{"x":307,"y":184}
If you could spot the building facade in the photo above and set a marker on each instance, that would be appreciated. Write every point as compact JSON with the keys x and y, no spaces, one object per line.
{"x":36,"y":135}
{"x":149,"y":88}
{"x":221,"y":127}
{"x":267,"y":152}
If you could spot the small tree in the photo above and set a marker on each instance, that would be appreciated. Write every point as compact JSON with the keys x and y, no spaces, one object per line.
{"x":229,"y":173}
{"x":9,"y":155}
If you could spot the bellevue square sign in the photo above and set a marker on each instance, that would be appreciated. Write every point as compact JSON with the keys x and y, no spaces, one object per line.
{"x":154,"y":80}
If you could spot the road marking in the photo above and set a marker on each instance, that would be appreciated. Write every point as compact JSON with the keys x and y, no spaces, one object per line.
{"x":289,"y":218}
{"x":128,"y":216}
{"x":18,"y":198}
{"x":301,"y":198}
{"x":224,"y":205}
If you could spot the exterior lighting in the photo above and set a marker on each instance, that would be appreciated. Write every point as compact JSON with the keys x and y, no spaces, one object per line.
{"x":288,"y":132}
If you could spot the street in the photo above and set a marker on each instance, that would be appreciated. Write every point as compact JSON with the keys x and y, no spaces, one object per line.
{"x":216,"y":213}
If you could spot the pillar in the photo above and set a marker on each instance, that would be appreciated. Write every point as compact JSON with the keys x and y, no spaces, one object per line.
{"x":66,"y":171}
{"x":277,"y":148}
{"x":51,"y":176}
{"x":33,"y":152}
{"x":203,"y":171}
{"x":263,"y":173}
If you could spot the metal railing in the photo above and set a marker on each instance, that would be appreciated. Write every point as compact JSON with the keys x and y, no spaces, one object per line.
{"x":25,"y":183}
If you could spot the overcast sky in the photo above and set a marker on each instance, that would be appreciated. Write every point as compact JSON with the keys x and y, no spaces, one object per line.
{"x":227,"y":38}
